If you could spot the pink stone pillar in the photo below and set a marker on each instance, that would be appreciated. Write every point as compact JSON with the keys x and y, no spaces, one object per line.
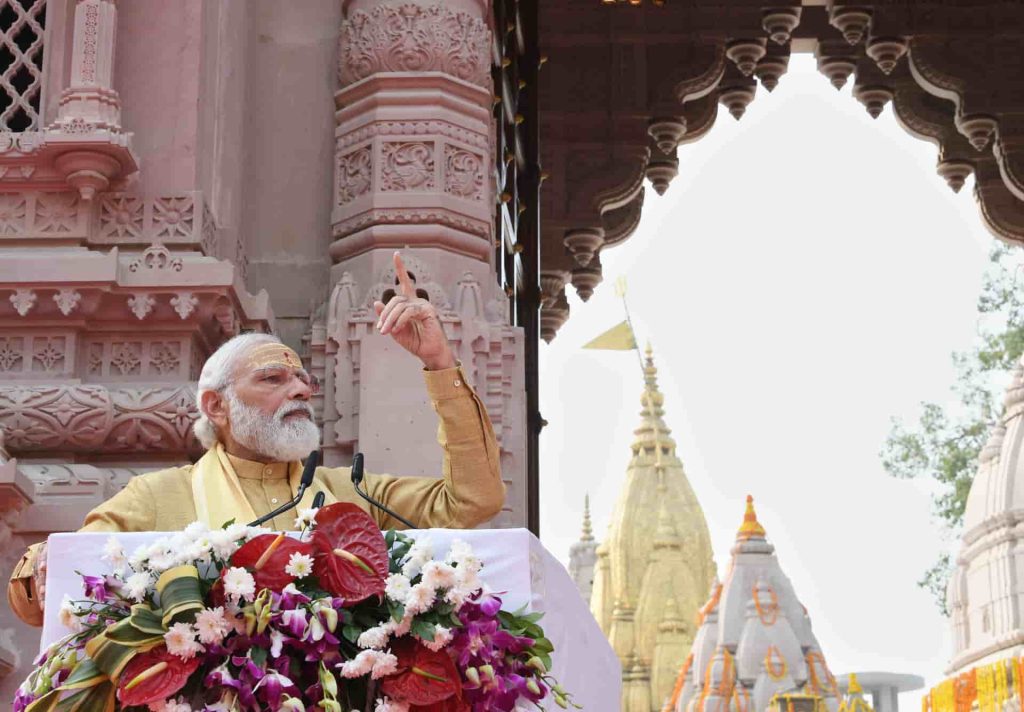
{"x":414,"y":156}
{"x":90,"y":97}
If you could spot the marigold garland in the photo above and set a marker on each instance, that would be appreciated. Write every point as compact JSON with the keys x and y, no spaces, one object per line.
{"x":775,"y":664}
{"x":770,"y":614}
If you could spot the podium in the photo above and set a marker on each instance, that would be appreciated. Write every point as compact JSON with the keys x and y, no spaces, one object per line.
{"x":517,"y":567}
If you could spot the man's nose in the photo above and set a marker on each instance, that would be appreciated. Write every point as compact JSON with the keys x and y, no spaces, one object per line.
{"x":299,"y":389}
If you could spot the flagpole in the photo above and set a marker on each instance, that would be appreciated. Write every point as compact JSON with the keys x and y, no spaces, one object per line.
{"x":620,"y":287}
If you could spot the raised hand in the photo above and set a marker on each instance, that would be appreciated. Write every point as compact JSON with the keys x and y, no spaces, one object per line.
{"x":413,"y":323}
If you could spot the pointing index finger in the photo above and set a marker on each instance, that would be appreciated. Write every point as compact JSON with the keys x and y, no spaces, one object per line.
{"x":408,"y":289}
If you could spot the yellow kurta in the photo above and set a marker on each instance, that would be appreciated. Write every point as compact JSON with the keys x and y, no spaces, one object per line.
{"x":469,"y":492}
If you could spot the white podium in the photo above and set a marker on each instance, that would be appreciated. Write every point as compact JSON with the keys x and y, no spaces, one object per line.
{"x":516,"y":566}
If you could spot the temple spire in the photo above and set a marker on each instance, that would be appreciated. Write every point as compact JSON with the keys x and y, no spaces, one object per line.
{"x":751,"y":528}
{"x":588,"y":532}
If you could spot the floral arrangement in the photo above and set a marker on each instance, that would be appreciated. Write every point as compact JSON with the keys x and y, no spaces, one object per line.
{"x":342,"y":617}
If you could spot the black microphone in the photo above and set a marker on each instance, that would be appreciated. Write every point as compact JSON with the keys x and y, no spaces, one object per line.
{"x":307,"y":479}
{"x":357,"y":478}
{"x":318,"y":499}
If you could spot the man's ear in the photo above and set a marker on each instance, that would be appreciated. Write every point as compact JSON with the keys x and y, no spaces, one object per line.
{"x":215,"y":405}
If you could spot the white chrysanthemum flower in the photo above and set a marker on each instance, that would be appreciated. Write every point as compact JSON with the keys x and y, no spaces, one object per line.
{"x":458,"y":551}
{"x":162,"y":561}
{"x":401,"y":628}
{"x":306,"y":518}
{"x":361,"y":665}
{"x":239,"y":583}
{"x":299,"y":565}
{"x":396,"y":587}
{"x":68,"y":615}
{"x":442,"y":636}
{"x":389,"y":705}
{"x":421,"y":597}
{"x":438,"y":575}
{"x":195,"y":530}
{"x":253,"y":532}
{"x":181,"y":641}
{"x":211,"y":625}
{"x":178,"y":705}
{"x":222,"y":545}
{"x":236,"y":531}
{"x":113,"y":554}
{"x":375,"y":638}
{"x":383,"y":664}
{"x":136,"y":585}
{"x":375,"y":663}
{"x":138,"y":558}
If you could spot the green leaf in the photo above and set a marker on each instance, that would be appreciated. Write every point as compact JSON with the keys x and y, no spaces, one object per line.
{"x":351,"y":633}
{"x":423,"y":629}
{"x":259,"y":655}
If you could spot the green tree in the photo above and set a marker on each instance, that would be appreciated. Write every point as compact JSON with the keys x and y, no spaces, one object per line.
{"x":945,"y":442}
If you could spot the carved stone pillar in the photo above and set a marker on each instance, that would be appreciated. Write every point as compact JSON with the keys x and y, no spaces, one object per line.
{"x":414,"y":151}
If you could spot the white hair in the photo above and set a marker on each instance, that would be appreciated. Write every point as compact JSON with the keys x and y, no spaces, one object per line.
{"x":216,"y":376}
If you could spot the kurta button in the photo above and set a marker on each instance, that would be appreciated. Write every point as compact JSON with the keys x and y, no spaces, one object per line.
{"x":274,"y":500}
{"x":267,"y":470}
{"x":457,"y":383}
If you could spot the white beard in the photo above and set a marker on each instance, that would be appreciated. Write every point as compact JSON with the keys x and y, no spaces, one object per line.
{"x":271,"y":436}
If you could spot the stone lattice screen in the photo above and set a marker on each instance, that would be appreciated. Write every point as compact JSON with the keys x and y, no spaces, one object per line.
{"x":21,"y":61}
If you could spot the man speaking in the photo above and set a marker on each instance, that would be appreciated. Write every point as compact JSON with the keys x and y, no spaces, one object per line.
{"x":256,"y":423}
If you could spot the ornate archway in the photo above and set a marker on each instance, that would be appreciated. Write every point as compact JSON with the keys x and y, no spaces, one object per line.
{"x":628,"y":83}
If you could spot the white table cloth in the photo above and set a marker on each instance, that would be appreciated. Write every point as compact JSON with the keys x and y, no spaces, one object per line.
{"x":515,"y":562}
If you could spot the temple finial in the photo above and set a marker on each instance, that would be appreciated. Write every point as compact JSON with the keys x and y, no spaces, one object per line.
{"x":751,"y":527}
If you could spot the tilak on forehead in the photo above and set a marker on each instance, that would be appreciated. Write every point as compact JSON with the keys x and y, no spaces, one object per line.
{"x":273,"y":355}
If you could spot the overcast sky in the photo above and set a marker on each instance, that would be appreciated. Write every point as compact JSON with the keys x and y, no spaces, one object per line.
{"x":803,"y":280}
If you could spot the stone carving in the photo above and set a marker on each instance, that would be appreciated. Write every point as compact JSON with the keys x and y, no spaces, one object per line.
{"x":413,"y":128}
{"x":12,"y":214}
{"x":126,"y":356}
{"x":241,"y":258}
{"x":23,"y":300}
{"x":408,"y":37}
{"x":89,"y":43}
{"x":463,"y":173}
{"x":111,"y":357}
{"x":21,"y":74}
{"x":173,"y":217}
{"x":354,"y":175}
{"x":165,"y":357}
{"x":23,"y":142}
{"x":77,"y":125}
{"x":41,"y":417}
{"x":182,"y":218}
{"x":67,"y":300}
{"x":56,"y":212}
{"x":85,"y":418}
{"x":121,"y":216}
{"x":141,"y":305}
{"x":407,"y":166}
{"x":48,"y":354}
{"x":184,"y":303}
{"x":155,"y":257}
{"x":210,"y":233}
{"x":403,"y":216}
{"x":12,"y":353}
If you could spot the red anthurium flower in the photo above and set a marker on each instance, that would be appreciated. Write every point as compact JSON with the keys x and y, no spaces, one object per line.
{"x":424,"y":677}
{"x":266,"y":556}
{"x":349,"y":552}
{"x":455,"y":703}
{"x":153,"y":677}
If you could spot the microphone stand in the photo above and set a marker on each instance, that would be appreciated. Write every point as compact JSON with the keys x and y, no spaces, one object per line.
{"x":307,"y":479}
{"x":357,"y":478}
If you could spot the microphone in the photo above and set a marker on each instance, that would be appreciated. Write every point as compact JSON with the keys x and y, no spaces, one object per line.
{"x":318,"y":500}
{"x":357,"y":478}
{"x":307,"y":479}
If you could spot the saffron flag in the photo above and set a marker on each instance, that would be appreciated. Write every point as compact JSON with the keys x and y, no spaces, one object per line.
{"x":618,"y":338}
